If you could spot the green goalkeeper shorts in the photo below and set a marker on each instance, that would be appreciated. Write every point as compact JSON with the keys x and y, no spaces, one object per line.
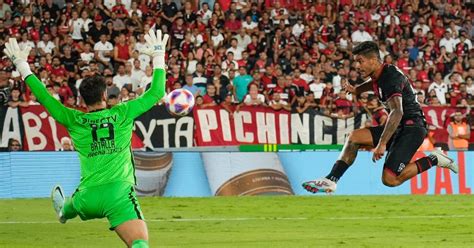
{"x":116,"y":201}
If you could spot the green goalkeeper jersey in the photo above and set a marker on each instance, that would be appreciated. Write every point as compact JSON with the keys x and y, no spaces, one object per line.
{"x":102,"y":138}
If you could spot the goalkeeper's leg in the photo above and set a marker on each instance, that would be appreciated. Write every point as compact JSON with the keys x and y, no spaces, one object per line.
{"x":134,"y":233}
{"x":63,"y":208}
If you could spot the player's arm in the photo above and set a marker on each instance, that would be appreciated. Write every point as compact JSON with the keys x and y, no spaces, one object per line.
{"x":393,"y":120}
{"x":357,"y":89}
{"x":361,"y":88}
{"x":18,"y":56}
{"x":156,"y":48}
{"x":152,"y":96}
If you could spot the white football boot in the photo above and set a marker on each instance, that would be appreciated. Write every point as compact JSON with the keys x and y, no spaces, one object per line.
{"x":444,"y":161}
{"x":320,"y":185}
{"x":58,"y":198}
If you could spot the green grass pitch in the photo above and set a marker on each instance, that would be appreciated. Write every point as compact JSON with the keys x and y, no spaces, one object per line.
{"x":328,"y":221}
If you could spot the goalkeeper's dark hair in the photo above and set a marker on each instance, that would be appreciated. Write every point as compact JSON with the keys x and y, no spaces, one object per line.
{"x":367,"y":49}
{"x":92,"y":89}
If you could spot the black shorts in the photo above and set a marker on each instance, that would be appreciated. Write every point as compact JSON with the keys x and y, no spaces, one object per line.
{"x":402,"y":146}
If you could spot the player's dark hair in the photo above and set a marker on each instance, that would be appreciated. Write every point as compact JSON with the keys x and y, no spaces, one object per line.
{"x":367,"y":49}
{"x":92,"y":89}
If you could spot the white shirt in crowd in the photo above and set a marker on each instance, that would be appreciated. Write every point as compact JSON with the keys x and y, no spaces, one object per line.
{"x":139,"y":46}
{"x":344,"y":43}
{"x":440,"y":89}
{"x":317,"y":89}
{"x":47,"y":47}
{"x":282,"y":102}
{"x":205,"y":15}
{"x":77,"y":26}
{"x":387,"y":20}
{"x":250,"y":25}
{"x":111,"y":3}
{"x":102,"y":48}
{"x":237,"y":52}
{"x":375,"y":17}
{"x":87,"y":57}
{"x":121,"y":80}
{"x":297,"y":30}
{"x":425,"y":28}
{"x":144,"y":81}
{"x":144,"y":61}
{"x":243,"y":42}
{"x":226,"y":64}
{"x":139,"y":13}
{"x":470,"y":89}
{"x":276,"y":13}
{"x":336,"y":83}
{"x":191,"y":68}
{"x":383,"y":53}
{"x":360,"y":36}
{"x":216,"y":39}
{"x":248,"y":98}
{"x":197,"y":39}
{"x":136,"y":78}
{"x":27,"y":43}
{"x":449,"y":44}
{"x":307,"y":77}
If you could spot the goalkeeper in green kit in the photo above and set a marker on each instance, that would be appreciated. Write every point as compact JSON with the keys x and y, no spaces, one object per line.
{"x":102,"y":137}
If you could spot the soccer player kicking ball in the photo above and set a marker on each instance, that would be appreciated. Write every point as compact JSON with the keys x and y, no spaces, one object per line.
{"x":102,"y":138}
{"x":401,"y":136}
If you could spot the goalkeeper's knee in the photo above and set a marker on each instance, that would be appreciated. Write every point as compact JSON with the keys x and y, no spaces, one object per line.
{"x":140,"y":243}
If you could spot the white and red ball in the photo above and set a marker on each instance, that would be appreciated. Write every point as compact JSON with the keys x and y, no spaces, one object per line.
{"x":179,"y":102}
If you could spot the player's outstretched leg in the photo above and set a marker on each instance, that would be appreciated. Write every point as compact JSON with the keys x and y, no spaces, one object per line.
{"x":134,"y":233}
{"x":356,"y":139}
{"x":57,"y":196}
{"x":64,"y":208}
{"x":436,"y":158}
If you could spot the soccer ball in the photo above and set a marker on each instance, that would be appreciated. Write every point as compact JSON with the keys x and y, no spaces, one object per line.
{"x":179,"y":102}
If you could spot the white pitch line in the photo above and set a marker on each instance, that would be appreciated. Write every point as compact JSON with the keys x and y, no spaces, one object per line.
{"x":170,"y":220}
{"x":269,"y":218}
{"x":401,"y":217}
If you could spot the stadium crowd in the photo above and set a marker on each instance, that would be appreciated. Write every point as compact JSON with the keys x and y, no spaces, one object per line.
{"x":289,"y":55}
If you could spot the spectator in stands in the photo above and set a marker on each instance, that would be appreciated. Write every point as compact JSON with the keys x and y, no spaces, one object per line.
{"x":196,"y":91}
{"x":378,"y":113}
{"x":278,"y":104}
{"x":33,"y":101}
{"x":439,"y":87}
{"x":122,"y":50}
{"x":16,"y":99}
{"x":103,"y":51}
{"x":112,"y":100}
{"x":199,"y":78}
{"x":241,"y":84}
{"x":343,"y":106}
{"x":360,"y":35}
{"x":459,"y":132}
{"x":301,"y":105}
{"x":253,"y":98}
{"x":4,"y":88}
{"x":66,"y":144}
{"x":14,"y":145}
{"x":210,"y":99}
{"x":121,"y":79}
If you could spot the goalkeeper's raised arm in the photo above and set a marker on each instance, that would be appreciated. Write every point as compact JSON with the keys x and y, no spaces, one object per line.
{"x":155,"y":47}
{"x":18,"y":55}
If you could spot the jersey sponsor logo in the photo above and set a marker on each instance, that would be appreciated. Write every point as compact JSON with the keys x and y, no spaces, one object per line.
{"x":103,"y":135}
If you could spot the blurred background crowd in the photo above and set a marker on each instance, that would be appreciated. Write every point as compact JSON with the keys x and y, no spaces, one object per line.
{"x":288,"y":55}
